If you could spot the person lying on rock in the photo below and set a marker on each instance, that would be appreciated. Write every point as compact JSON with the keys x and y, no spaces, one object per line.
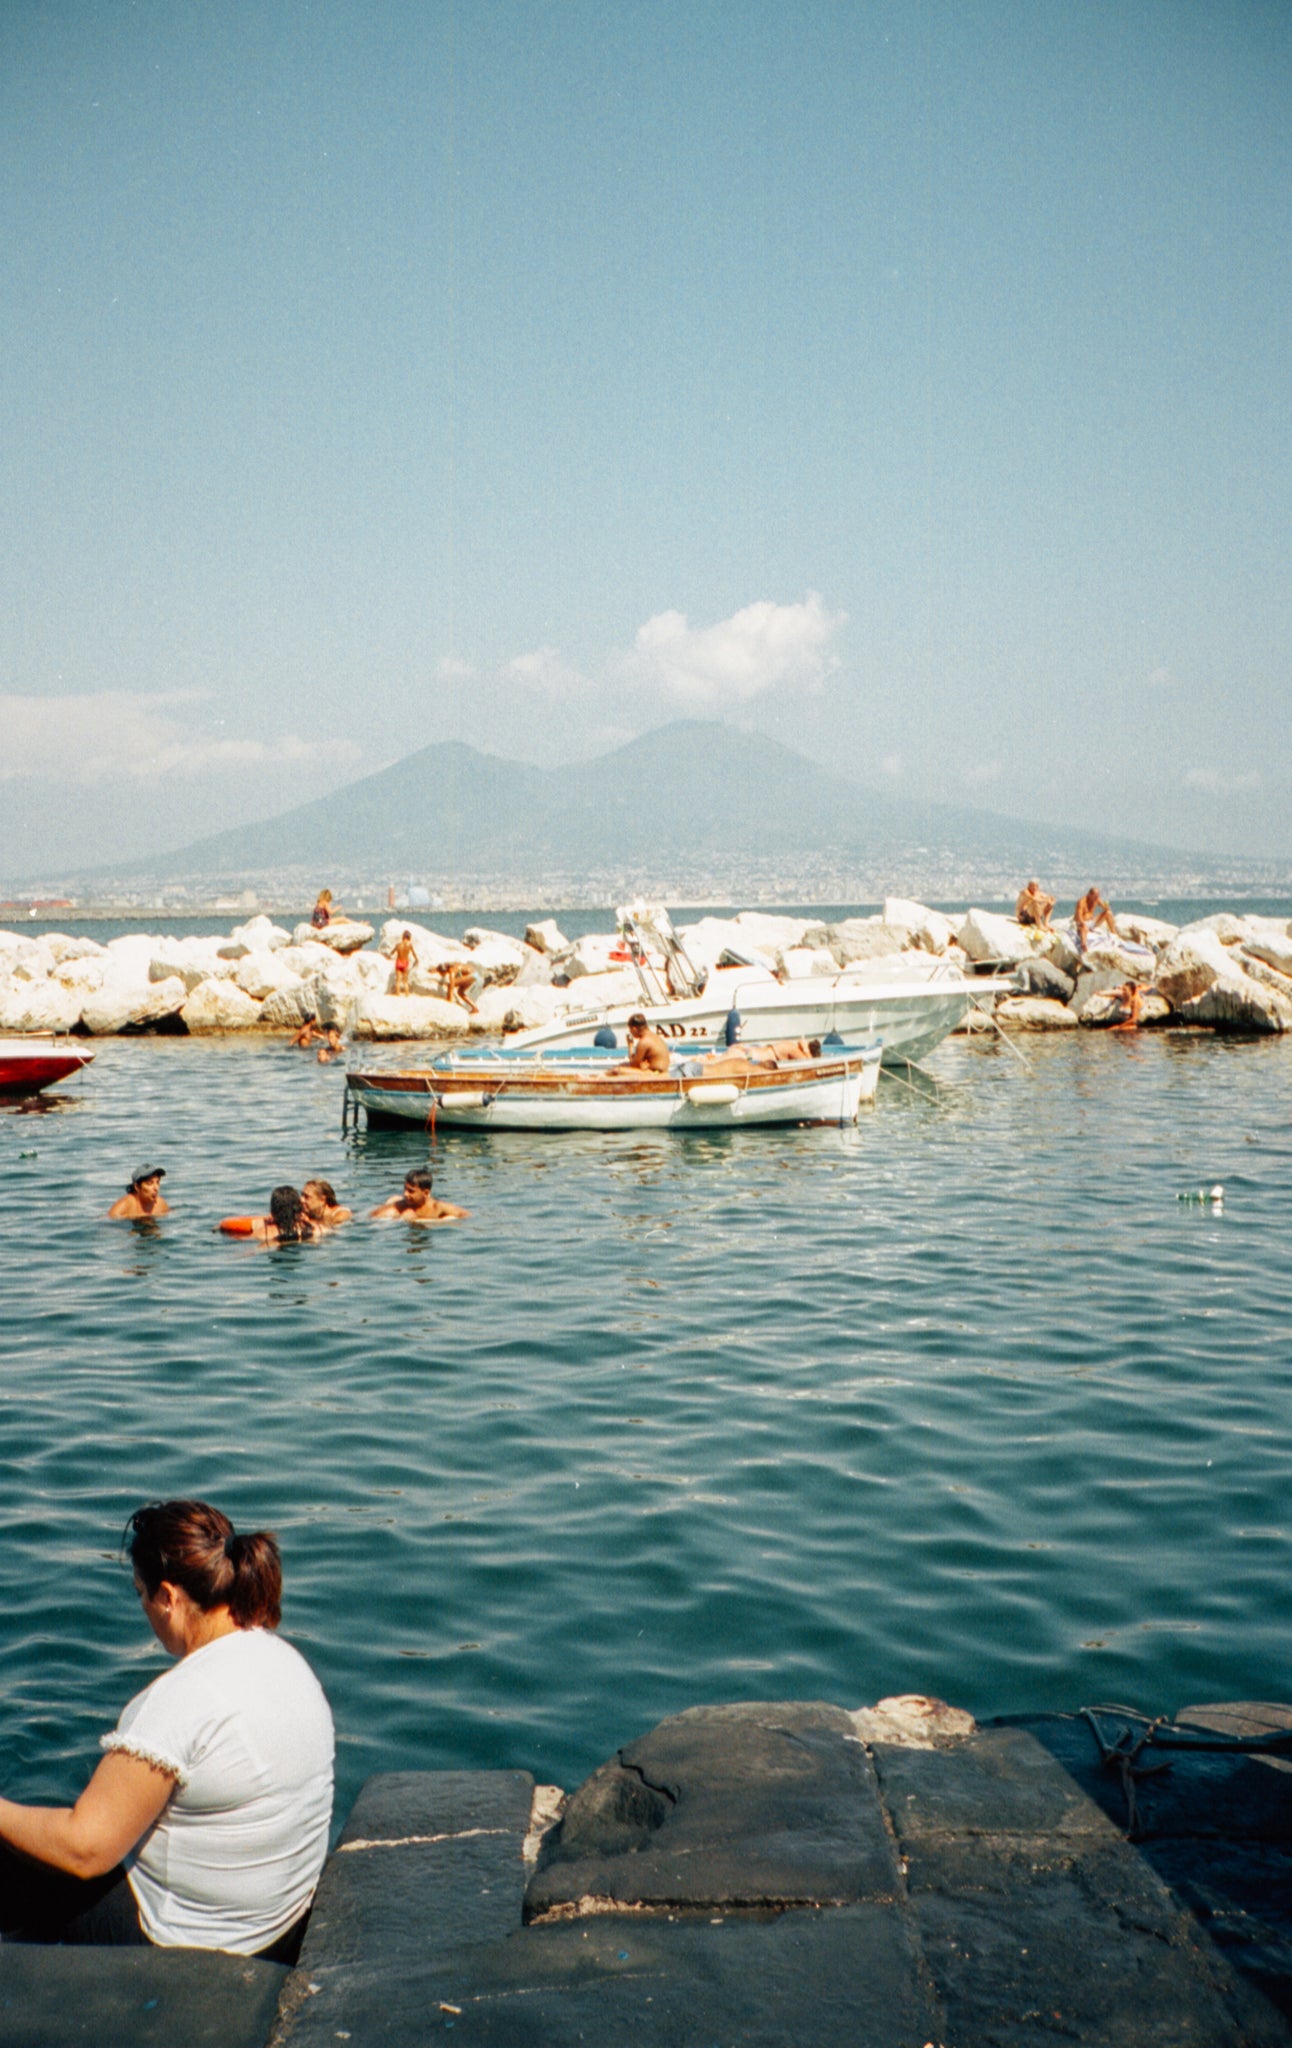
{"x":206,"y":1822}
{"x":648,"y":1053}
{"x":1034,"y":906}
{"x":1092,"y":912}
{"x":318,"y":1199}
{"x":417,"y":1204}
{"x":143,"y":1197}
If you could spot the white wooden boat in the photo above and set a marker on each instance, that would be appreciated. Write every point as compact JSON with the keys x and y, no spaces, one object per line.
{"x":501,"y":1092}
{"x":910,"y":1006}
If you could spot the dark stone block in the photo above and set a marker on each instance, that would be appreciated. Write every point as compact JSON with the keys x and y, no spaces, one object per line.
{"x":1197,"y":1792}
{"x":1075,"y":1941}
{"x":428,"y":1861}
{"x":726,"y":1806}
{"x":1043,"y":978}
{"x":849,"y":1978}
{"x":1000,"y":1781}
{"x":135,"y":1998}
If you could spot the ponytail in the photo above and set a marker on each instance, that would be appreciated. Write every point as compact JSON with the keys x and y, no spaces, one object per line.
{"x":193,"y":1546}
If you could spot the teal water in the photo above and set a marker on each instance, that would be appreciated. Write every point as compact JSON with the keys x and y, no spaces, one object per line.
{"x":960,"y":1401}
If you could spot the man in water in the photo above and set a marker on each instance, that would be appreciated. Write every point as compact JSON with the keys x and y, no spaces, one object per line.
{"x":331,"y":1048}
{"x":1034,"y":907}
{"x":648,"y":1053}
{"x":305,"y":1037}
{"x":417,"y":1204}
{"x":142,"y":1198}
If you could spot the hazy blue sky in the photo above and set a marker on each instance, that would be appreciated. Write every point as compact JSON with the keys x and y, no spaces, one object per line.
{"x":908,"y":381}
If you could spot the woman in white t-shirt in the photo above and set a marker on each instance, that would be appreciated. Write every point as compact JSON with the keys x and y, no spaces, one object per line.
{"x":206,"y":1823}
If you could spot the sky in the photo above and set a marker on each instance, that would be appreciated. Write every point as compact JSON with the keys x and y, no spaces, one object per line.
{"x":908,"y":382}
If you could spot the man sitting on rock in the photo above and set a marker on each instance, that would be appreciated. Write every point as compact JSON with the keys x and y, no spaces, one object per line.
{"x":1034,"y":907}
{"x":1090,"y":912}
{"x":143,"y":1197}
{"x":648,"y":1053}
{"x":417,"y":1204}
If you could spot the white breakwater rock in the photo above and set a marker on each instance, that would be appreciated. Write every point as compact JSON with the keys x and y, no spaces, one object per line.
{"x":220,"y":1006}
{"x":38,"y":1006}
{"x":263,"y":974}
{"x":1034,"y":1013}
{"x":1194,"y":959}
{"x":257,"y":935}
{"x":387,"y":1017}
{"x":546,"y":937}
{"x":931,"y":930}
{"x":131,"y":1006}
{"x":343,"y":935}
{"x":986,"y":935}
{"x":430,"y":947}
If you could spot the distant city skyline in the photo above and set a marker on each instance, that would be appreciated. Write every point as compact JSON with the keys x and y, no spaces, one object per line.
{"x":908,"y":385}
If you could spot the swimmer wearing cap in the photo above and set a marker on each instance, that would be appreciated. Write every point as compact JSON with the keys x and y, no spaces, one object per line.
{"x":142,"y":1198}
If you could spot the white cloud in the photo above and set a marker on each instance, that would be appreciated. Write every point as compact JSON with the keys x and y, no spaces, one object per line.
{"x":450,"y":668}
{"x":706,"y":667}
{"x":543,"y":670}
{"x":116,"y":735}
{"x":1162,"y":679}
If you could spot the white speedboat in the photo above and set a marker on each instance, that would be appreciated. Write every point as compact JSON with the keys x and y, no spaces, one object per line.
{"x":503,"y":1092}
{"x":910,"y":1006}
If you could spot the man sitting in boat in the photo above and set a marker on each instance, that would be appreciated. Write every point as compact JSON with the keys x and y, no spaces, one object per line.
{"x":143,"y":1197}
{"x":648,"y":1053}
{"x":417,"y":1204}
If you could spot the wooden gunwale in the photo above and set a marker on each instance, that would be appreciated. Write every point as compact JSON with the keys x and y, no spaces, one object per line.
{"x":493,"y":1081}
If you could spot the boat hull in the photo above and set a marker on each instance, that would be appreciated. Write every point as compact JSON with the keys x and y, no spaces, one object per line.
{"x":506,"y":1095}
{"x":911,"y":1014}
{"x":25,"y":1069}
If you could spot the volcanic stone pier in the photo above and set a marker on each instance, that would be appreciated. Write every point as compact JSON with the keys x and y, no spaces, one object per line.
{"x":771,"y":1874}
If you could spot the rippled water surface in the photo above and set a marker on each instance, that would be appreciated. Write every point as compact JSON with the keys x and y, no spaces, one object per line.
{"x":962,"y":1400}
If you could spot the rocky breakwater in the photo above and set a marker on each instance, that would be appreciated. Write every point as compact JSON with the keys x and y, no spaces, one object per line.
{"x":1225,"y":972}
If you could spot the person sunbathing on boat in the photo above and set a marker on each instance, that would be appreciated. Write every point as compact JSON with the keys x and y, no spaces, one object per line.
{"x":143,"y":1197}
{"x":417,"y":1204}
{"x":735,"y":1060}
{"x":648,"y":1053}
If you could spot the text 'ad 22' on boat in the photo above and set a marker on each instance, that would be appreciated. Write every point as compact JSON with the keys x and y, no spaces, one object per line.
{"x":561,"y":1091}
{"x":29,"y":1064}
{"x":909,"y":1008}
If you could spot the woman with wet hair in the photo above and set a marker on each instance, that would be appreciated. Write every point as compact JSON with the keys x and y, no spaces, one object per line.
{"x":206,"y":1822}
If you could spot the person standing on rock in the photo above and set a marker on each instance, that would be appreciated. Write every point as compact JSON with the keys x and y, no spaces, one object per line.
{"x":405,"y":958}
{"x":143,"y":1197}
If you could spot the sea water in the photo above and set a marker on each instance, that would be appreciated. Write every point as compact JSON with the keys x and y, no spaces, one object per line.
{"x":961,"y":1400}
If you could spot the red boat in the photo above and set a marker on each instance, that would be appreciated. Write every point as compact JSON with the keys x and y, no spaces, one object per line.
{"x":28,"y":1064}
